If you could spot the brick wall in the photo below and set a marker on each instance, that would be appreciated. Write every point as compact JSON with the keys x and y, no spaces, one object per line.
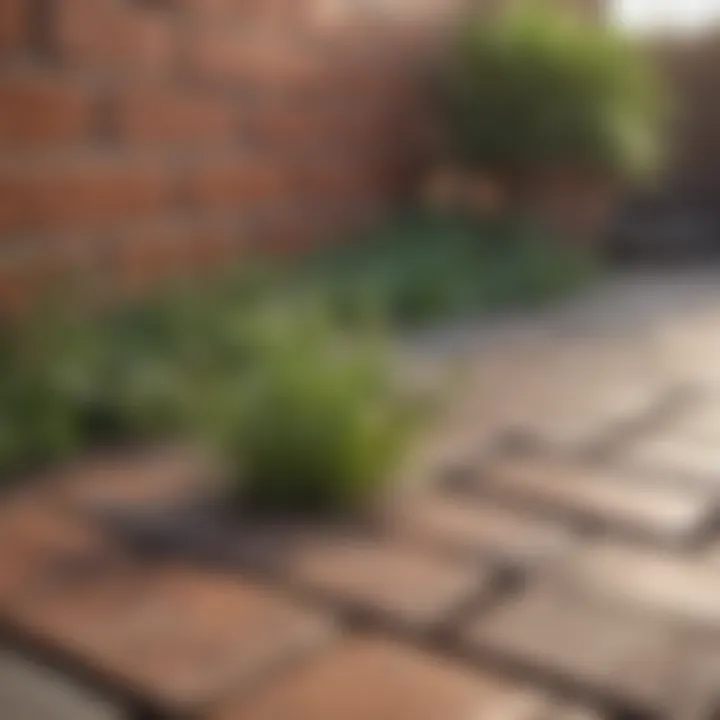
{"x":142,"y":138}
{"x":146,"y":138}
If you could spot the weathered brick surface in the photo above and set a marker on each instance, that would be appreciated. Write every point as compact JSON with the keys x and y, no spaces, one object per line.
{"x":176,"y":638}
{"x":114,"y":36}
{"x":43,"y":112}
{"x":225,"y":181}
{"x":287,"y":12}
{"x":14,"y":26}
{"x":243,"y":103}
{"x":372,"y":680}
{"x":253,"y":59}
{"x":604,"y":500}
{"x":81,"y":193}
{"x":160,"y":116}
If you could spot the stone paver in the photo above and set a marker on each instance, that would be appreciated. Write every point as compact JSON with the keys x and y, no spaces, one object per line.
{"x":699,"y":420}
{"x":676,"y":586}
{"x":29,"y":691}
{"x":173,"y":637}
{"x":590,"y":615}
{"x":670,"y":455}
{"x":604,"y":500}
{"x":160,"y":477}
{"x":592,"y":415}
{"x":373,"y":680}
{"x":390,"y":581}
{"x":478,"y":529}
{"x":41,"y":547}
{"x":625,"y":659}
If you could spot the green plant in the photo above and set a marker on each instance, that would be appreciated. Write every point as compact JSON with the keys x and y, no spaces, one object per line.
{"x":38,"y":422}
{"x":537,"y":87}
{"x":420,"y":267}
{"x":318,"y":424}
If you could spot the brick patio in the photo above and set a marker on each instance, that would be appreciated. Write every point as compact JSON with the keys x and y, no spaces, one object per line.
{"x":557,"y":558}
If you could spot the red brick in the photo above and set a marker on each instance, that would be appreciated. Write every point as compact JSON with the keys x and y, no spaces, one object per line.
{"x":115,"y":36}
{"x":42,"y":112}
{"x":285,"y":125}
{"x":334,"y":179}
{"x":80,"y":194}
{"x":285,"y":11}
{"x":155,"y":116}
{"x":234,"y":181}
{"x":173,"y":249}
{"x":252,"y":60}
{"x":14,"y":25}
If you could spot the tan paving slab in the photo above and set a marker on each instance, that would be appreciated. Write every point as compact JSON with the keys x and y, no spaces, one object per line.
{"x":390,"y":581}
{"x":586,"y":421}
{"x":606,"y":500}
{"x":175,"y":638}
{"x":700,"y":420}
{"x":623,"y":658}
{"x":375,"y":680}
{"x":675,"y":455}
{"x":679,"y":587}
{"x":478,"y":529}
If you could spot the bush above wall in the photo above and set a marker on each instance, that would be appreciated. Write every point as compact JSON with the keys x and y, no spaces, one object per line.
{"x":537,"y":86}
{"x":554,"y":114}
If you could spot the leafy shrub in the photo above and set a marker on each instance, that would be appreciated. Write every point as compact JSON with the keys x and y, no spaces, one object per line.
{"x":319,"y":423}
{"x":537,"y":87}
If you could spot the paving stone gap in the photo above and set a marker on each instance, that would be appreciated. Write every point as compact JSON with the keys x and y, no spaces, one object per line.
{"x":598,"y":500}
{"x":479,"y":530}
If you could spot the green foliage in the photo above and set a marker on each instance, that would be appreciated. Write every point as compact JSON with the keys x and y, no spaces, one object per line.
{"x":285,"y":372}
{"x":319,"y":423}
{"x":538,"y":87}
{"x":422,"y":267}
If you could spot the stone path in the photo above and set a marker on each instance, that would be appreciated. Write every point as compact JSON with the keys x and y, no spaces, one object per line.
{"x":554,"y":553}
